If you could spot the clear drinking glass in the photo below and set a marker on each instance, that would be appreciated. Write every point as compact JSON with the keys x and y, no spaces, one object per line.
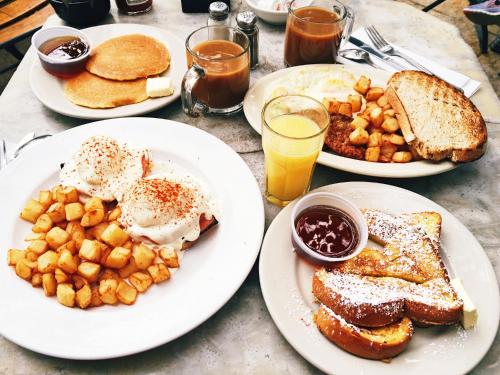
{"x":293,"y":133}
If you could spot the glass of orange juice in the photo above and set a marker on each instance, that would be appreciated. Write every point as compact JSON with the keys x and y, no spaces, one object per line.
{"x":293,"y":132}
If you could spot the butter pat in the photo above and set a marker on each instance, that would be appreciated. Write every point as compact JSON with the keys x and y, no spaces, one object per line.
{"x":469,"y":316}
{"x":157,"y":87}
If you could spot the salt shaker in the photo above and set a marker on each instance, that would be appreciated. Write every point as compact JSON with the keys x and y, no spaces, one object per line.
{"x":247,"y":23}
{"x":218,"y":14}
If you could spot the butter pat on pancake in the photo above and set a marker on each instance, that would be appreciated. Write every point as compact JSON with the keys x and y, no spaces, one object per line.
{"x":91,"y":91}
{"x":129,"y":57}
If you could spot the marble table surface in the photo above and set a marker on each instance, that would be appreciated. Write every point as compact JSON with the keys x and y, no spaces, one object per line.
{"x":242,"y":338}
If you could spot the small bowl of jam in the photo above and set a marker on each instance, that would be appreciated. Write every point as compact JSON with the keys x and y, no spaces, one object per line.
{"x":63,"y":51}
{"x":327,"y":228}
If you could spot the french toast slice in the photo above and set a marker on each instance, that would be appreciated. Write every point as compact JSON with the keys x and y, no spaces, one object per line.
{"x":372,"y":343}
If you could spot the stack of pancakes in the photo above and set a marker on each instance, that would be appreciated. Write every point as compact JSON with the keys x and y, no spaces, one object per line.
{"x":116,"y":72}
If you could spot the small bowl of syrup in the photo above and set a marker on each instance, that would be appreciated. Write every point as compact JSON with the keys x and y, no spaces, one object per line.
{"x":327,"y":228}
{"x":63,"y":51}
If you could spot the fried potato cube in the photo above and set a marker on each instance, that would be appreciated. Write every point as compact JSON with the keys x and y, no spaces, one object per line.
{"x":170,"y":258}
{"x":359,"y":136}
{"x":375,"y":140}
{"x":14,"y":256}
{"x":363,"y":85}
{"x":387,"y":150}
{"x":74,"y":211}
{"x":57,"y":237}
{"x":374,"y":93}
{"x":69,"y":246}
{"x":36,"y":280}
{"x":390,"y":125}
{"x":359,"y":122}
{"x":45,"y":198}
{"x":32,"y":211}
{"x":47,"y":262}
{"x":107,"y":291}
{"x":331,"y":104}
{"x":382,"y":101}
{"x":159,"y":272}
{"x":89,"y":270}
{"x":49,"y":284}
{"x":62,"y":224}
{"x":93,"y":204}
{"x":78,"y":237}
{"x":395,"y":139}
{"x":401,"y":157}
{"x":56,"y":212}
{"x":114,"y":235}
{"x":66,"y":295}
{"x":109,"y":274}
{"x":95,"y":298}
{"x":66,"y":195}
{"x":141,"y":281}
{"x":79,"y":281}
{"x":38,"y":246}
{"x":128,"y":245}
{"x":54,"y":192}
{"x":34,"y":236}
{"x":67,"y":261}
{"x":372,"y":153}
{"x":74,"y":226}
{"x":345,"y":109}
{"x":84,"y":297}
{"x":129,"y":269}
{"x":31,"y":256}
{"x":386,"y":107}
{"x":355,"y":101}
{"x":61,"y":276}
{"x":115,"y":214}
{"x":118,"y":257}
{"x":143,"y":256}
{"x":98,"y":230}
{"x":377,"y":117}
{"x":370,"y":106}
{"x":125,"y":293}
{"x":390,"y":112}
{"x":24,"y":269}
{"x":43,"y":224}
{"x":90,"y":250}
{"x":91,"y":218}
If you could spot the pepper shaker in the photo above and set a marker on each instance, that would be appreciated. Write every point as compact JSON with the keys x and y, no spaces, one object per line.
{"x":247,"y":23}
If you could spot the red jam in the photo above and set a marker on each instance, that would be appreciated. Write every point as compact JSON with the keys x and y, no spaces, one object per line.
{"x":64,"y":47}
{"x":327,"y":231}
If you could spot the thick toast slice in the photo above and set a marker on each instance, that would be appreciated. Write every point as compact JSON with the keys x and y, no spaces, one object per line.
{"x":436,"y":119}
{"x":372,"y":343}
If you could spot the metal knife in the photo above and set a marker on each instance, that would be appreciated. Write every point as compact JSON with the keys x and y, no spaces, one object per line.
{"x":387,"y":59}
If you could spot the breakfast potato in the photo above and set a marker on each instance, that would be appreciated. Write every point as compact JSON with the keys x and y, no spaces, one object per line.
{"x":141,"y":281}
{"x":34,"y":236}
{"x":24,"y":268}
{"x":128,"y":245}
{"x":170,"y":258}
{"x":83,"y":297}
{"x":332,"y":105}
{"x":374,"y":93}
{"x":57,"y":237}
{"x":129,"y":269}
{"x":43,"y":224}
{"x":54,"y":192}
{"x":67,"y":261}
{"x":118,"y":257}
{"x":109,"y":274}
{"x":79,"y":281}
{"x":49,"y":284}
{"x":69,"y":246}
{"x":125,"y":293}
{"x":382,"y":101}
{"x":98,"y":230}
{"x":372,"y":153}
{"x":370,"y":106}
{"x":114,"y":214}
{"x":32,"y":211}
{"x":395,"y":139}
{"x":95,"y":297}
{"x":114,"y":235}
{"x":74,"y":211}
{"x":38,"y":246}
{"x":107,"y":291}
{"x":377,"y":117}
{"x":89,"y":270}
{"x":66,"y":195}
{"x":159,"y":272}
{"x":93,"y":204}
{"x":355,"y":101}
{"x":390,"y":125}
{"x":31,"y":256}
{"x":363,"y":85}
{"x":56,"y":212}
{"x":62,"y":224}
{"x":61,"y":276}
{"x":387,"y":150}
{"x":91,"y":218}
{"x":401,"y":157}
{"x":47,"y":262}
{"x":143,"y":256}
{"x":90,"y":250}
{"x":14,"y":256}
{"x":345,"y":109}
{"x":36,"y":280}
{"x":387,"y":107}
{"x":390,"y":112}
{"x":66,"y":295}
{"x":45,"y":198}
{"x":375,"y":140}
{"x":359,"y":122}
{"x":359,"y":136}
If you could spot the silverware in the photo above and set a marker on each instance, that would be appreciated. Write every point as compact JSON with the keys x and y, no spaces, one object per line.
{"x":3,"y":154}
{"x":19,"y":149}
{"x":357,"y":55}
{"x":386,"y":48}
{"x":365,"y":47}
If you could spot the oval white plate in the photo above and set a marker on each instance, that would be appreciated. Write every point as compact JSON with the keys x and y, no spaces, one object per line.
{"x":50,"y":90}
{"x":286,"y":285}
{"x":258,"y":94}
{"x":210,"y":273}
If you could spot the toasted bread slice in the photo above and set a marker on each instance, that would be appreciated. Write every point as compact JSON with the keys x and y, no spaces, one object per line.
{"x":375,"y":343}
{"x":436,"y":119}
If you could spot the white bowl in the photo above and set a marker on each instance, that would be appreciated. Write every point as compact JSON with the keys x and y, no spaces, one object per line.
{"x":275,"y":17}
{"x":335,"y":201}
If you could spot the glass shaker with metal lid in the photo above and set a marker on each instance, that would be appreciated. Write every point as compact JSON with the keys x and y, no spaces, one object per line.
{"x":247,"y":23}
{"x":218,"y":14}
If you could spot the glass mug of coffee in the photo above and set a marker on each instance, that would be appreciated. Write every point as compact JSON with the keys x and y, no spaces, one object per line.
{"x":314,"y":33}
{"x":219,"y":71}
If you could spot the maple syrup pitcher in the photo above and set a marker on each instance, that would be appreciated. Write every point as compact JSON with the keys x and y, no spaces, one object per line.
{"x":314,"y":33}
{"x":219,"y":71}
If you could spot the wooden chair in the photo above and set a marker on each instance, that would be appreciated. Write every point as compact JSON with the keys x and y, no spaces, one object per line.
{"x":19,"y":19}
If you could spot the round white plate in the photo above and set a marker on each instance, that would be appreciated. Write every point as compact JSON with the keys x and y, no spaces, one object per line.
{"x":210,"y":273}
{"x":50,"y":89}
{"x":286,"y":285}
{"x":259,"y":93}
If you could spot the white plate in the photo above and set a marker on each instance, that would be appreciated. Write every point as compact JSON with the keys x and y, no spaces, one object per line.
{"x":210,"y":273}
{"x":258,"y":94}
{"x":286,"y":285}
{"x":50,"y":90}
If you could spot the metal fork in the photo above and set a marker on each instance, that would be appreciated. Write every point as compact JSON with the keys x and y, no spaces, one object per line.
{"x":3,"y":154}
{"x":386,"y":48}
